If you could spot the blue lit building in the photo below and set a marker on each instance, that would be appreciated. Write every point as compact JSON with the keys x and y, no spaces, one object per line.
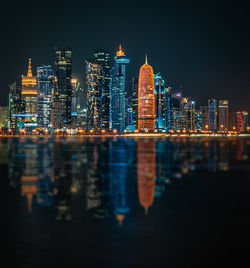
{"x":45,"y":83}
{"x":212,"y":114}
{"x":160,"y":118}
{"x":117,"y":94}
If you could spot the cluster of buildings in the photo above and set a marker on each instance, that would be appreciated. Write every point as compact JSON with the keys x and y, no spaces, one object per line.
{"x":110,"y":101}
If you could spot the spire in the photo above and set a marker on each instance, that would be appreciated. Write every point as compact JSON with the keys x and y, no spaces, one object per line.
{"x":146,"y":210}
{"x":146,"y":59}
{"x":29,"y":74}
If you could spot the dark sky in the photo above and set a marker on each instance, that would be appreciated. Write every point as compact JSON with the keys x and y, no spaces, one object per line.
{"x":203,"y":46}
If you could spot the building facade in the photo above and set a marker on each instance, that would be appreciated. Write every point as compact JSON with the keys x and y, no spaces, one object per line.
{"x":63,"y":72}
{"x":146,"y":98}
{"x":102,"y":57}
{"x":117,"y":94}
{"x":45,"y":84}
{"x":94,"y":80}
{"x":223,"y":124}
{"x":29,"y":98}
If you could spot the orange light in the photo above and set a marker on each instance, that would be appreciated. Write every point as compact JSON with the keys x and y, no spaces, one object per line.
{"x":103,"y":131}
{"x":114,"y":131}
{"x":120,"y":53}
{"x":146,"y":99}
{"x":91,"y":131}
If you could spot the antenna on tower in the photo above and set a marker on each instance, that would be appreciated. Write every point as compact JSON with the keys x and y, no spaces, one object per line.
{"x":146,"y":59}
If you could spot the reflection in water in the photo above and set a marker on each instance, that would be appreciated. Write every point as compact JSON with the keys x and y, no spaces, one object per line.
{"x":110,"y":175}
{"x":146,"y":172}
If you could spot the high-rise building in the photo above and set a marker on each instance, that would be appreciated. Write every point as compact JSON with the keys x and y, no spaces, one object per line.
{"x":75,"y":87}
{"x":239,"y":122}
{"x":45,"y":84}
{"x":63,"y":72}
{"x":118,"y":89}
{"x":94,"y":81}
{"x":146,"y":98}
{"x":102,"y":57}
{"x":212,"y":114}
{"x":244,"y":116}
{"x":16,"y":109}
{"x":4,"y":116}
{"x":29,"y":97}
{"x":160,"y":120}
{"x":204,"y":117}
{"x":223,"y":124}
{"x":135,"y":101}
{"x":189,"y":107}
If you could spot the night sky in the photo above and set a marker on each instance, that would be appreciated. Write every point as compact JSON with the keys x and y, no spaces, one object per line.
{"x":203,"y":46}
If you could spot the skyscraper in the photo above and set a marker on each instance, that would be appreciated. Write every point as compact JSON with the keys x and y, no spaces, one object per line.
{"x":223,"y":124}
{"x":146,"y":99}
{"x":118,"y":89}
{"x":212,"y":114}
{"x":63,"y":72}
{"x":29,"y":97}
{"x":190,"y":114}
{"x":135,"y":101}
{"x":160,"y":122}
{"x":102,"y":57}
{"x":244,"y":116}
{"x":94,"y":86}
{"x":45,"y":83}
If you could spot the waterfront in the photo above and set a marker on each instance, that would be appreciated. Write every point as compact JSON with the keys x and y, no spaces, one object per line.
{"x":126,"y":201}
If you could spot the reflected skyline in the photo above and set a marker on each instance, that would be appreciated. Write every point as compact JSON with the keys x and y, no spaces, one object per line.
{"x":112,"y":177}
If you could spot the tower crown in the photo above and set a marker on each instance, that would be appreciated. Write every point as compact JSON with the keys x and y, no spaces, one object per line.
{"x":29,"y":79}
{"x":120,"y":52}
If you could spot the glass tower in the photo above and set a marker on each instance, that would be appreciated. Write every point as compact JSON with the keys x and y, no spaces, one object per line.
{"x":102,"y":57}
{"x":94,"y":93}
{"x":45,"y":82}
{"x":117,"y":94}
{"x":63,"y":72}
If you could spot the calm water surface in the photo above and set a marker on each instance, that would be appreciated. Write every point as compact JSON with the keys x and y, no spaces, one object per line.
{"x":125,"y":202}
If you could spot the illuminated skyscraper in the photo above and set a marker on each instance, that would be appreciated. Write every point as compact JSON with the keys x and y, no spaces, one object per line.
{"x":244,"y":116}
{"x":94,"y":94}
{"x":135,"y":101}
{"x":239,"y":122}
{"x":212,"y":114}
{"x":63,"y":72}
{"x":146,"y":99}
{"x":118,"y":89}
{"x":45,"y":83}
{"x":102,"y":58}
{"x":160,"y":121}
{"x":189,"y":108}
{"x":29,"y":97}
{"x":223,"y":115}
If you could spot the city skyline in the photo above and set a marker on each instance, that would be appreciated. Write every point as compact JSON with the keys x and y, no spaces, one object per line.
{"x":190,"y":51}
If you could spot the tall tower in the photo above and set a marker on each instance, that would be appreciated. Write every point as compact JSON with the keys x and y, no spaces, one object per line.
{"x":212,"y":114}
{"x":146,"y":99}
{"x":94,"y":87}
{"x":63,"y":72}
{"x":102,"y":57}
{"x":118,"y":89}
{"x":29,"y":97}
{"x":223,"y":115}
{"x":45,"y":83}
{"x":160,"y":122}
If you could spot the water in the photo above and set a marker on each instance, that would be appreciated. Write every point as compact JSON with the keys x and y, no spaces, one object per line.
{"x":125,"y":202}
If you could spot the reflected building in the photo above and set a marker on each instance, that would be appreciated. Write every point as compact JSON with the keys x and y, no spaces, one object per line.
{"x":146,"y":98}
{"x":146,"y":172}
